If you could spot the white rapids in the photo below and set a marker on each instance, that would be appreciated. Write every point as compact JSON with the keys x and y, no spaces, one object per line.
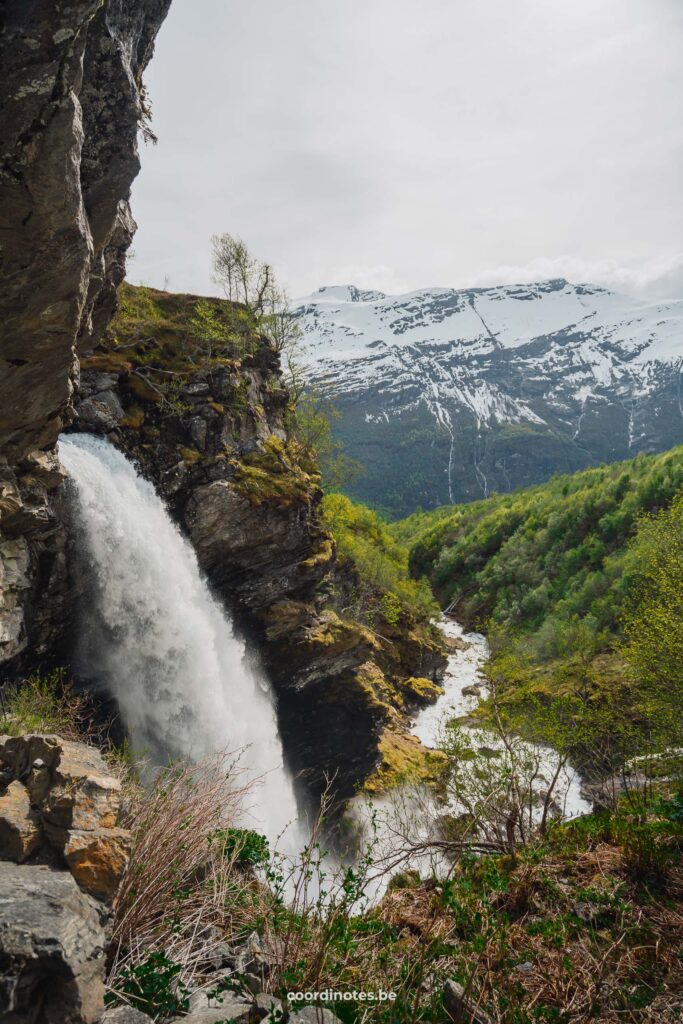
{"x":152,"y":634}
{"x":463,"y":673}
{"x":400,"y":823}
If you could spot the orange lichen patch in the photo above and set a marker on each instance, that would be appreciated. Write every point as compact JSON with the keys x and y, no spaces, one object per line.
{"x":98,"y":858}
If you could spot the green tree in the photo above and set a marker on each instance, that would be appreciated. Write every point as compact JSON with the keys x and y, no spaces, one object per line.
{"x":653,"y":621}
{"x":312,"y":422}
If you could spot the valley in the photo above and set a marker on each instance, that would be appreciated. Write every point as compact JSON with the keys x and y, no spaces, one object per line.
{"x":284,"y":745}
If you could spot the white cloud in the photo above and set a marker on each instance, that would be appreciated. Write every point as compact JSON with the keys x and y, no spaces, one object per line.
{"x":660,"y":278}
{"x":371,"y":278}
{"x":404,"y":148}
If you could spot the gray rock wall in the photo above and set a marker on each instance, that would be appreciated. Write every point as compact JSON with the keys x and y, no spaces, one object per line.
{"x":72,"y":103}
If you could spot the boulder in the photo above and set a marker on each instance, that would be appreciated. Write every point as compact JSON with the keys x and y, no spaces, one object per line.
{"x":101,"y":413}
{"x":460,"y":1008}
{"x":231,"y":1009}
{"x":97,"y":859}
{"x":421,"y":691}
{"x":314,"y":1015}
{"x":52,"y":943}
{"x":474,"y":690}
{"x":265,"y":1005}
{"x":20,"y":831}
{"x":18,"y":754}
{"x":83,"y":794}
{"x":123,"y":1015}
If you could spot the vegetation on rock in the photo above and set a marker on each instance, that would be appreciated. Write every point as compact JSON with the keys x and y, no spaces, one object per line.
{"x":385,"y":590}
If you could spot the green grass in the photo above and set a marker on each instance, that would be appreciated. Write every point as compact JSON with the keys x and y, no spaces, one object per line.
{"x":43,"y":703}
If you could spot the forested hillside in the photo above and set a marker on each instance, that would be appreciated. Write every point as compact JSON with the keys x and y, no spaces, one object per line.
{"x":535,"y":559}
{"x":578,"y":585}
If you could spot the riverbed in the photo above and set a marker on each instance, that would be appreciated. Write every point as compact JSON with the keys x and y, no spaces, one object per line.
{"x":464,"y":687}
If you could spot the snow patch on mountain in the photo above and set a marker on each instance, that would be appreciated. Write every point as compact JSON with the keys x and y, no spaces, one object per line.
{"x":574,"y":340}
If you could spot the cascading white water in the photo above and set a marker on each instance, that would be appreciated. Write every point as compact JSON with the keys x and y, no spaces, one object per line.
{"x":155,"y":637}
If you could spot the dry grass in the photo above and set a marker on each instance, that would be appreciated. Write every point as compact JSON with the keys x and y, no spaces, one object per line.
{"x":181,"y":894}
{"x":580,"y":927}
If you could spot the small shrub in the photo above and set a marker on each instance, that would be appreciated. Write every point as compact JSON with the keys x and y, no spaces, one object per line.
{"x":241,"y":846}
{"x":44,"y":703}
{"x":152,"y":986}
{"x":672,"y":810}
{"x":648,"y":856}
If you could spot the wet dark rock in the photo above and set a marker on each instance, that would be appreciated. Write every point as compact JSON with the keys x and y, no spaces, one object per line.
{"x":69,"y":122}
{"x":51,"y":948}
{"x":102,"y":413}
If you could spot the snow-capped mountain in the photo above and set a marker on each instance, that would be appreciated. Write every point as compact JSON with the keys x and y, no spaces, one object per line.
{"x":449,"y":395}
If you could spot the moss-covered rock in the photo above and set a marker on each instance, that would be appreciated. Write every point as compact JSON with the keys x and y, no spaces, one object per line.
{"x":403,"y":761}
{"x":210,"y":428}
{"x":421,"y":691}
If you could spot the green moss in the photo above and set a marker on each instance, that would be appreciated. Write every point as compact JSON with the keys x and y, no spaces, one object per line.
{"x":135,"y":417}
{"x":421,"y":691}
{"x":144,"y":391}
{"x":190,"y":456}
{"x":336,"y":636}
{"x":403,"y":761}
{"x":273,"y":475}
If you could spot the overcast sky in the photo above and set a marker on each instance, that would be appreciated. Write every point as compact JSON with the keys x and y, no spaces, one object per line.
{"x":398,"y":144}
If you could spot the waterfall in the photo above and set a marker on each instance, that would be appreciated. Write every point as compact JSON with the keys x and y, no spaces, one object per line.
{"x":152,"y":634}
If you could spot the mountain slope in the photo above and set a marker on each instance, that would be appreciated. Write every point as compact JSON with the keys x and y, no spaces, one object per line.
{"x":451,"y":395}
{"x":578,"y":584}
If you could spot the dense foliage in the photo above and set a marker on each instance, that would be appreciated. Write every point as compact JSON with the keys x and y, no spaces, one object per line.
{"x":385,"y":589}
{"x":539,"y":558}
{"x":653,"y":619}
{"x":578,"y":584}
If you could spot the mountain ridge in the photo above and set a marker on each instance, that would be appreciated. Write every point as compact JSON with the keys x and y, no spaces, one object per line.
{"x":450,"y":394}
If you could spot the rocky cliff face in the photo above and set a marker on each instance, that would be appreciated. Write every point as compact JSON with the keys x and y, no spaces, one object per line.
{"x":62,"y":856}
{"x":73,"y":102}
{"x":211,"y":432}
{"x":211,"y":436}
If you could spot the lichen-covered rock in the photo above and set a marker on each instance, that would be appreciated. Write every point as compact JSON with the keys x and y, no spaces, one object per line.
{"x":61,"y":800}
{"x":51,"y":948}
{"x":97,"y":859}
{"x":69,"y":122}
{"x":20,"y":831}
{"x":83,"y":793}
